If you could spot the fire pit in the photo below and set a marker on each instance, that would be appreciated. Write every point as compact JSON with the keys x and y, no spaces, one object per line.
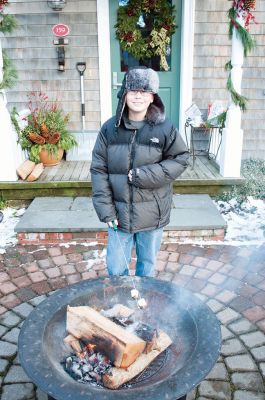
{"x":192,"y":326}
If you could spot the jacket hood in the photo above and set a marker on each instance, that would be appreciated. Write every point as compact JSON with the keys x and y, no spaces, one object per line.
{"x":146,"y":79}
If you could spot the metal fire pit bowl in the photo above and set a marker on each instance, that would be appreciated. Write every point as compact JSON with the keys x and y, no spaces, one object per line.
{"x":192,"y":326}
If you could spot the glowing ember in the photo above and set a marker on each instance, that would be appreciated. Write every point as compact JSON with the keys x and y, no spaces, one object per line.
{"x":88,"y":365}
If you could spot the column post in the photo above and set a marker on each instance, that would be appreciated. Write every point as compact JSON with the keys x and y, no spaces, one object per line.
{"x":7,"y":153}
{"x":232,"y":142}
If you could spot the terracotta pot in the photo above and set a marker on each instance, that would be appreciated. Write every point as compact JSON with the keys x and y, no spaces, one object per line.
{"x":48,"y":159}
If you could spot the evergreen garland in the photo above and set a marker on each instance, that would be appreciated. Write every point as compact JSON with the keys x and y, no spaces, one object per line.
{"x":240,"y":7}
{"x":7,"y":24}
{"x":228,"y":66}
{"x":219,"y":120}
{"x":237,"y":98}
{"x":144,"y":29}
{"x":247,"y":40}
{"x":13,"y":116}
{"x":9,"y":73}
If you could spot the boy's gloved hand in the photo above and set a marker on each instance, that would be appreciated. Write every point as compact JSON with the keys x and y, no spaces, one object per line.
{"x":130,"y":174}
{"x":112,"y":223}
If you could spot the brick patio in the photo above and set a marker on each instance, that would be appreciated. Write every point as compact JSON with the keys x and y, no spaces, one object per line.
{"x":231,"y":280}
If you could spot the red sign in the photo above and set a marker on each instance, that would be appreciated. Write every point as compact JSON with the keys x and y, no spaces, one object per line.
{"x":60,"y":30}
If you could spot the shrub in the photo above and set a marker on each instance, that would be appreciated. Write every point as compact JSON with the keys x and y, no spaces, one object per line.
{"x":253,"y":170}
{"x":3,"y":203}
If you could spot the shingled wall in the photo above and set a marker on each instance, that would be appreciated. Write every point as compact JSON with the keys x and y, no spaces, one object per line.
{"x":35,"y":57}
{"x":212,"y":50}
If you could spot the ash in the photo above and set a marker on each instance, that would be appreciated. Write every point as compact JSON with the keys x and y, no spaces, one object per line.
{"x":88,"y":366}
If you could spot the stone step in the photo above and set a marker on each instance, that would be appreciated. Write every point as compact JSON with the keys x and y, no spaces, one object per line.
{"x":57,"y":219}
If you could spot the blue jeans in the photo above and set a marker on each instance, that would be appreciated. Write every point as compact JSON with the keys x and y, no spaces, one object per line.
{"x":120,"y":246}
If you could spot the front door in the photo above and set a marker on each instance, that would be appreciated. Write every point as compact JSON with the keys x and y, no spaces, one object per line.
{"x":169,"y":80}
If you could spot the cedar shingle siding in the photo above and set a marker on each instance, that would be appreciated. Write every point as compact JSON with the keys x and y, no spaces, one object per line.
{"x":212,"y":50}
{"x":35,"y":57}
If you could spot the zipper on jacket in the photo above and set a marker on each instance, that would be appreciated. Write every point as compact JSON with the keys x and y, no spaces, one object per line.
{"x":159,"y":208}
{"x":132,"y":153}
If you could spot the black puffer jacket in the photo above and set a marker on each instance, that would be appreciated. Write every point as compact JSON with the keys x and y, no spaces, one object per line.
{"x":157,"y":155}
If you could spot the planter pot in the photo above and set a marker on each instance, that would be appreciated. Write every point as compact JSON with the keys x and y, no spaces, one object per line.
{"x":48,"y":159}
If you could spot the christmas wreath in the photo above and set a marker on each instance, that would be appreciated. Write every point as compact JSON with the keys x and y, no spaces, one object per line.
{"x":144,"y":29}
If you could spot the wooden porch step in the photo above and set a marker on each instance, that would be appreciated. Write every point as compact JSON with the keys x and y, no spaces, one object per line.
{"x":72,"y":178}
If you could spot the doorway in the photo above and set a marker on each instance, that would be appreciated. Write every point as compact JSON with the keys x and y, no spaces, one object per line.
{"x":169,"y":80}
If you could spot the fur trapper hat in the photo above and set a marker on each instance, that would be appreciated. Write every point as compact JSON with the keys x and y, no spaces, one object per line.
{"x":146,"y":79}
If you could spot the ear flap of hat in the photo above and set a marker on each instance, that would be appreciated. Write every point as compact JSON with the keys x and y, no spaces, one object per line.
{"x":156,"y":111}
{"x":121,"y":102}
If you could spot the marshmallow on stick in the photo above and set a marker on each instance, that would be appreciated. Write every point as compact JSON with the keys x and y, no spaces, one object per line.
{"x":134,"y":293}
{"x":142,"y":303}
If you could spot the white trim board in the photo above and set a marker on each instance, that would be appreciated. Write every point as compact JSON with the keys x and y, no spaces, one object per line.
{"x":186,"y":63}
{"x":104,"y":60}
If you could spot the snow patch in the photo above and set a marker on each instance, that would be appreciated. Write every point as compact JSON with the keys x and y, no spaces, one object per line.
{"x":7,"y":233}
{"x":245,"y":226}
{"x":96,"y":257}
{"x":245,"y":222}
{"x":68,"y":244}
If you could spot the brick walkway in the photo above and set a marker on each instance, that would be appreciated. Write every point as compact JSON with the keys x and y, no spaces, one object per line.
{"x":230,"y":279}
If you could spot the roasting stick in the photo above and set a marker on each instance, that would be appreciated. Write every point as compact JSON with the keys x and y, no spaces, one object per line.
{"x":141,"y":303}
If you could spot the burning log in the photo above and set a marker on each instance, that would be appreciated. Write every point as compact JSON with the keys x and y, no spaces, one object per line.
{"x":148,"y":334}
{"x":73,"y":342}
{"x":120,"y":346}
{"x":88,"y":365}
{"x":119,"y":314}
{"x":102,"y":347}
{"x":116,"y":377}
{"x":118,"y":311}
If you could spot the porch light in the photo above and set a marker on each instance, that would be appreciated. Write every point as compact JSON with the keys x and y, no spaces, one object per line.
{"x":56,"y":5}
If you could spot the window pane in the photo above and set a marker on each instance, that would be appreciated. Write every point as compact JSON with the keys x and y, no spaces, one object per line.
{"x":127,"y":61}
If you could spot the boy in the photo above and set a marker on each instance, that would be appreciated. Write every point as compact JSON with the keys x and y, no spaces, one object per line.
{"x":137,"y":156}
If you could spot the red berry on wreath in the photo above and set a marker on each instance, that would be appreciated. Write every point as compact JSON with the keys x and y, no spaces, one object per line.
{"x":130,"y":13}
{"x":149,"y":4}
{"x":128,"y":37}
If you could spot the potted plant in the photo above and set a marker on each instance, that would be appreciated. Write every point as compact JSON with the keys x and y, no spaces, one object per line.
{"x":46,"y":136}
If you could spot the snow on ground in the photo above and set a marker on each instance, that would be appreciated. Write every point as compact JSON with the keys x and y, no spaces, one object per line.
{"x":7,"y":233}
{"x":245,"y":225}
{"x":245,"y":222}
{"x":96,"y":257}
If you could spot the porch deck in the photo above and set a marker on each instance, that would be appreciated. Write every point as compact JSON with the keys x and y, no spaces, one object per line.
{"x":72,"y":178}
